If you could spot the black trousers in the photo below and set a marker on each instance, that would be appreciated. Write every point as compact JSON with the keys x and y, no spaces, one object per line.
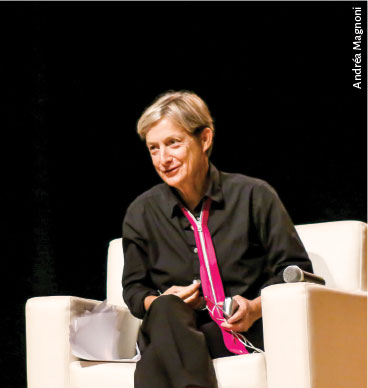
{"x":178,"y":345}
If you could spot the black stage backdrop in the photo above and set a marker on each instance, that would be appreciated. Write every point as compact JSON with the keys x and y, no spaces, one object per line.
{"x":75,"y":77}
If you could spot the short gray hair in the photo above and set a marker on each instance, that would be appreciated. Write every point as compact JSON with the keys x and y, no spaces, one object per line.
{"x":184,"y":108}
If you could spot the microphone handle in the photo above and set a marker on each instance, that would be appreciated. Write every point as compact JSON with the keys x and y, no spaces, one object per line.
{"x":312,"y":278}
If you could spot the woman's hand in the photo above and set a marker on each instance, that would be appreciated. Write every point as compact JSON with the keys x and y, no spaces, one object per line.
{"x":189,"y":294}
{"x":244,"y":317}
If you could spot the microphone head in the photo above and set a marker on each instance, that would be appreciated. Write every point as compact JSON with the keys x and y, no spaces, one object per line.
{"x":293,"y":274}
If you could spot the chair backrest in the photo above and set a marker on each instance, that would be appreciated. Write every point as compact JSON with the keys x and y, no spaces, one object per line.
{"x":338,"y":251}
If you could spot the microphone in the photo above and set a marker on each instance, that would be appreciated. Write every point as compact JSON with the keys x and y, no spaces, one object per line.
{"x":293,"y":274}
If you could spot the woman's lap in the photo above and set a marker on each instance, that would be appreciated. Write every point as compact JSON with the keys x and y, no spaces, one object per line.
{"x":174,"y":351}
{"x":177,"y":345}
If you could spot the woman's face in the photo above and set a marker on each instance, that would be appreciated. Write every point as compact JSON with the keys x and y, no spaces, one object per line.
{"x":177,"y":156}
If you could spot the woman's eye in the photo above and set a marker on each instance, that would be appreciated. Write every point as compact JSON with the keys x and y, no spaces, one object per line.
{"x":152,"y":148}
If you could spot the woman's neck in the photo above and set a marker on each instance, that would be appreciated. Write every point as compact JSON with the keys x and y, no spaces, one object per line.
{"x":193,"y":192}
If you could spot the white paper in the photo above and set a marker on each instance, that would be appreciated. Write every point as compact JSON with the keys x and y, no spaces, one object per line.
{"x":95,"y":335}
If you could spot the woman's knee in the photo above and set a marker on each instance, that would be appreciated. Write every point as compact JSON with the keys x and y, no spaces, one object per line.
{"x":172,"y":307}
{"x":167,"y":303}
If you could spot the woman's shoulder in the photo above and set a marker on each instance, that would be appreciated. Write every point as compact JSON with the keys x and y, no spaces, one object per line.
{"x":242,"y":181}
{"x":154,"y":194}
{"x":256,"y":190}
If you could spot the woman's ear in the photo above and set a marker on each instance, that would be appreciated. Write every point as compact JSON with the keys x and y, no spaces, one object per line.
{"x":206,"y":138}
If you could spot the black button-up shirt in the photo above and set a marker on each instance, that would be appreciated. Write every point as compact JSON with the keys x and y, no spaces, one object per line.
{"x":252,"y":234}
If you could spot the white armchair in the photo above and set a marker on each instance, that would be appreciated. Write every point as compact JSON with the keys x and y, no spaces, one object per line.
{"x":315,"y":336}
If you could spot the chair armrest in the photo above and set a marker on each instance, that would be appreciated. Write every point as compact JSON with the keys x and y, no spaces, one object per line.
{"x":47,"y":337}
{"x":314,"y":336}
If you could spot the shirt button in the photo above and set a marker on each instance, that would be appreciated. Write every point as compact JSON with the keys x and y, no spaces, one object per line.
{"x":195,"y":250}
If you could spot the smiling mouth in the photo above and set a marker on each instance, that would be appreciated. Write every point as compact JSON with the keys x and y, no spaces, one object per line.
{"x":171,"y":170}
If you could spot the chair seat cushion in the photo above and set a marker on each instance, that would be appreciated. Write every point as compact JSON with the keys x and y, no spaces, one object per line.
{"x":247,"y":371}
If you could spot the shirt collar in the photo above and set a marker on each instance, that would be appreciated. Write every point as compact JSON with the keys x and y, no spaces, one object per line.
{"x":214,"y":191}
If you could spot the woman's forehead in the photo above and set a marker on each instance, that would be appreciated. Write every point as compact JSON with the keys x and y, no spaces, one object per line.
{"x":163,"y":129}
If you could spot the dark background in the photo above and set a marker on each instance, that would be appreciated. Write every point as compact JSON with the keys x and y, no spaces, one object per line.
{"x":74,"y":78}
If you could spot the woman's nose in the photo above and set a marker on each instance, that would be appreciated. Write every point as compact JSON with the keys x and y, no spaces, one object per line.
{"x":165,"y":155}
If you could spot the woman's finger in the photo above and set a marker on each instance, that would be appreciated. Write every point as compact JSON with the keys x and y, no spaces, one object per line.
{"x":193,"y":298}
{"x":237,"y":327}
{"x":238,"y":316}
{"x":186,"y":292}
{"x":242,"y":310}
{"x":172,"y":290}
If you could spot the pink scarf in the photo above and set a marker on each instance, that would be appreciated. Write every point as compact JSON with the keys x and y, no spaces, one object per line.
{"x":212,"y":287}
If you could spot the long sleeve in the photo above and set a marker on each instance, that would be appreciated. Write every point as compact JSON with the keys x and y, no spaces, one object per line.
{"x":136,"y":278}
{"x":277,"y":234}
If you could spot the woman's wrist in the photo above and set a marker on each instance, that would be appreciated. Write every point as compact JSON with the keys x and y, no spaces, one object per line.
{"x":256,"y":308}
{"x":148,"y":301}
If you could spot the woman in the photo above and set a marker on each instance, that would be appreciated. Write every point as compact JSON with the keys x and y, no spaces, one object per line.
{"x":249,"y":231}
